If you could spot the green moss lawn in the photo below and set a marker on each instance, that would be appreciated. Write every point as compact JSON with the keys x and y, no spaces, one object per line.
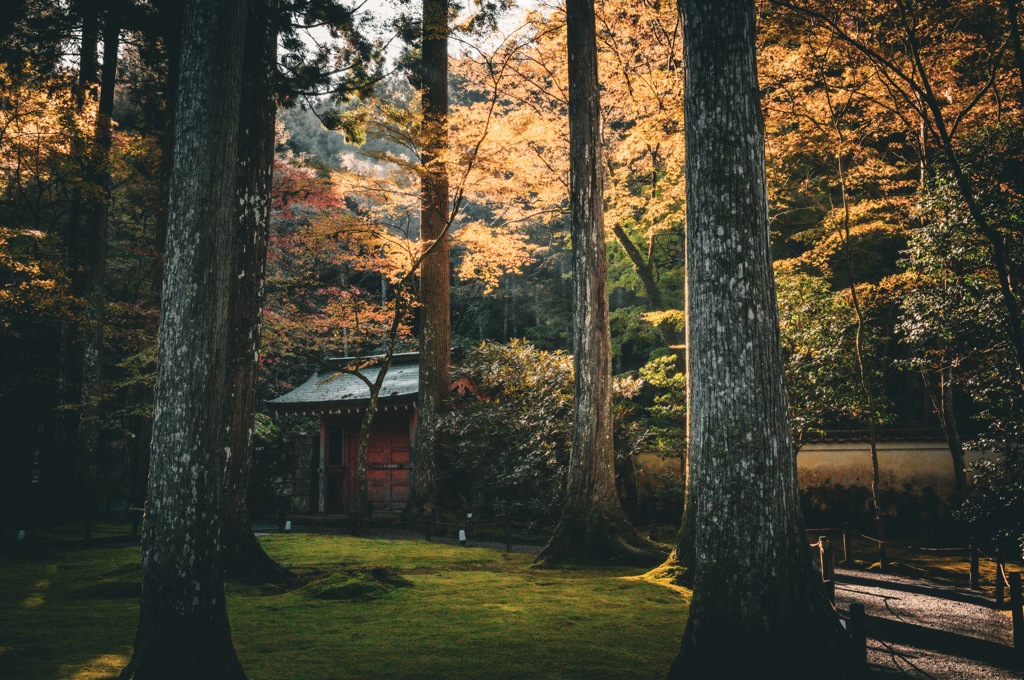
{"x":468,"y":613}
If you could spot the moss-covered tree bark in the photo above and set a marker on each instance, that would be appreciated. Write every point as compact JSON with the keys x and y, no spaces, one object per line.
{"x":593,"y":526}
{"x":758,"y":608}
{"x":242,"y":555}
{"x":183,"y":629}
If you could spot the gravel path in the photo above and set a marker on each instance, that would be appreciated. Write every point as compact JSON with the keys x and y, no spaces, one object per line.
{"x":917,"y":629}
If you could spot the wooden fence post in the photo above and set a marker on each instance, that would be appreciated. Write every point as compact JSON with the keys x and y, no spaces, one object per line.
{"x":847,"y":548}
{"x":828,"y":567}
{"x":858,"y":633}
{"x":975,"y":574}
{"x":1016,"y":604}
{"x":1000,"y":583}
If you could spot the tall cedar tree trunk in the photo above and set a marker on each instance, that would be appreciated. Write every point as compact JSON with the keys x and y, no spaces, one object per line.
{"x":169,"y":15}
{"x":593,"y":526}
{"x":69,"y":371}
{"x":947,"y":416}
{"x":435,"y":294}
{"x":243,"y":556}
{"x":758,"y":608}
{"x":183,"y":625}
{"x":95,"y":274}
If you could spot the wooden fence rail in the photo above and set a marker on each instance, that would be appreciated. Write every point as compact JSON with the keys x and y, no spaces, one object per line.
{"x":854,"y":620}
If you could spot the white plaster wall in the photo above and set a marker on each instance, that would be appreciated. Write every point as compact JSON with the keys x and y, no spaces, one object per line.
{"x":919,"y":464}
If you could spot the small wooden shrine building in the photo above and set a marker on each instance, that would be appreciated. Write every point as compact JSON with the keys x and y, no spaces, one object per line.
{"x":340,"y":399}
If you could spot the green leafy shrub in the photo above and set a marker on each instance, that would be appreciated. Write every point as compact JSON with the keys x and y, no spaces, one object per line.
{"x":506,"y":443}
{"x":994,"y":510}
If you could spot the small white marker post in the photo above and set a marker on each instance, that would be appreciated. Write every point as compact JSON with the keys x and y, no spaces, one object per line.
{"x":462,"y":537}
{"x":287,"y":526}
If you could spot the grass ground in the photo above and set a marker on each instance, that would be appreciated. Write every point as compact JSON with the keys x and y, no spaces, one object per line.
{"x":469,"y":613}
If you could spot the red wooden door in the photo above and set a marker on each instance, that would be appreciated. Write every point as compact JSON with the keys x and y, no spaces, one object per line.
{"x":387,"y":467}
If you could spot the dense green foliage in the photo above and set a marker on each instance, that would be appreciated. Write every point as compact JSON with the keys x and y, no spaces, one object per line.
{"x":508,"y":438}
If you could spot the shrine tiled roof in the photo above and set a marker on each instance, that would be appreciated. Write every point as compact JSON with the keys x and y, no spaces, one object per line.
{"x":342,"y":387}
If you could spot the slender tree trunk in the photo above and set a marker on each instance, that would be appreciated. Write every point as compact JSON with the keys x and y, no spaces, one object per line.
{"x":95,"y":275}
{"x":435,"y":272}
{"x":69,"y":360}
{"x":643,"y":270}
{"x":843,"y":231}
{"x":858,"y":347}
{"x":593,"y":526}
{"x":364,"y":510}
{"x":183,"y":625}
{"x":758,"y":608}
{"x":242,"y":554}
{"x":949,"y":427}
{"x":876,"y":481}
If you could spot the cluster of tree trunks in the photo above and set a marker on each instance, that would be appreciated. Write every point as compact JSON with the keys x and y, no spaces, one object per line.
{"x":753,"y":578}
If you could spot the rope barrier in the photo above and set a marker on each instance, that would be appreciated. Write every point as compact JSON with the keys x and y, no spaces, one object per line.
{"x":1002,"y":572}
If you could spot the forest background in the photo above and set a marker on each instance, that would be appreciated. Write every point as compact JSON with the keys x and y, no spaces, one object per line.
{"x":896,"y":177}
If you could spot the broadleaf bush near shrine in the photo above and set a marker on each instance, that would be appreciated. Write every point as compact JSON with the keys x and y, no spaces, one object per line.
{"x":507,"y":439}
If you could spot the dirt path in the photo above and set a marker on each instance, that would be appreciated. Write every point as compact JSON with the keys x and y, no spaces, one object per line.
{"x":917,"y":629}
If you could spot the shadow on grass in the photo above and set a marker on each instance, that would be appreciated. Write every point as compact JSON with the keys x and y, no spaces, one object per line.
{"x":68,"y":615}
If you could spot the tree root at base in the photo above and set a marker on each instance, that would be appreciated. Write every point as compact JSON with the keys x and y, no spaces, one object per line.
{"x":249,"y":562}
{"x":599,"y":538}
